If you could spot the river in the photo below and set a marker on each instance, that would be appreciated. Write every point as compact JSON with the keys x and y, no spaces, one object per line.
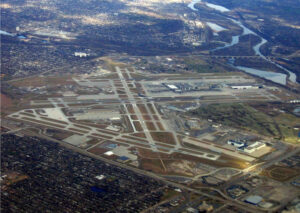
{"x":213,"y":6}
{"x":5,"y":33}
{"x":272,"y":76}
{"x":275,"y":77}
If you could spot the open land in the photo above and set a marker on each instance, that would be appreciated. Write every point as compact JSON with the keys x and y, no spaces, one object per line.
{"x":152,"y":132}
{"x":202,"y":114}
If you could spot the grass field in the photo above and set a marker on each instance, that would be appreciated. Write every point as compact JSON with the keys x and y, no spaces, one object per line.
{"x":201,"y":65}
{"x":253,"y":119}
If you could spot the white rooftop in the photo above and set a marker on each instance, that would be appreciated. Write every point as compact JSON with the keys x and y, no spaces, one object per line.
{"x":171,"y":86}
{"x":109,"y":153}
{"x":254,"y":199}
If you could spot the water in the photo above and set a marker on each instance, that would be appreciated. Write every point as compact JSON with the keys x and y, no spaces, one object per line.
{"x":292,"y":77}
{"x":213,"y":6}
{"x":5,"y":33}
{"x":272,"y":76}
{"x":296,"y":111}
{"x":21,"y":37}
{"x":256,"y":48}
{"x":192,"y":4}
{"x":246,"y":31}
{"x":217,"y":7}
{"x":235,"y":39}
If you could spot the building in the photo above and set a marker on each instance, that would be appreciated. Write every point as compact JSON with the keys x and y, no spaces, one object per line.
{"x":253,"y":199}
{"x":108,"y":153}
{"x":245,"y":87}
{"x":191,"y":210}
{"x":172,"y":87}
{"x":114,"y":128}
{"x":238,"y":144}
{"x":123,"y":159}
{"x":100,"y":177}
{"x":266,"y":205}
{"x":204,"y":207}
{"x":294,"y":101}
{"x":81,"y":54}
{"x":253,"y":147}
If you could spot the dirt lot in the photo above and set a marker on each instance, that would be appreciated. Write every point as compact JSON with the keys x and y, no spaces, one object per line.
{"x":6,"y":102}
{"x":140,"y":135}
{"x":130,"y":108}
{"x":148,"y":154}
{"x":134,"y":117}
{"x":160,"y":126}
{"x":123,"y":96}
{"x":164,"y":137}
{"x":223,"y":161}
{"x":97,"y":150}
{"x":134,"y":90}
{"x":43,"y":123}
{"x":151,"y":108}
{"x":168,"y":166}
{"x":132,"y":143}
{"x":153,"y":165}
{"x":142,"y":108}
{"x":138,"y":125}
{"x":128,"y":123}
{"x":133,"y":138}
{"x":146,"y":117}
{"x":155,"y":117}
{"x":150,"y":126}
{"x":42,"y":81}
{"x":121,"y":92}
{"x":280,"y":173}
{"x":59,"y":134}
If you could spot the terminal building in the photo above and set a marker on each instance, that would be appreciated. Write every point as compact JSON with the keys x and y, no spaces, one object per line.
{"x":244,"y":147}
{"x":179,"y":87}
{"x":173,"y":87}
{"x":237,"y":144}
{"x":253,"y":147}
{"x":246,"y":86}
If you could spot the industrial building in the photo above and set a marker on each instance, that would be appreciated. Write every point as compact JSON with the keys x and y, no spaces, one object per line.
{"x":244,"y":147}
{"x":81,"y":54}
{"x":246,"y":86}
{"x":236,"y":143}
{"x":253,"y":199}
{"x":179,"y":87}
{"x":253,"y":147}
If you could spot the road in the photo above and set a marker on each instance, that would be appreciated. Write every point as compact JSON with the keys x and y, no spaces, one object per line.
{"x":236,"y":203}
{"x":256,"y":169}
{"x":64,"y":123}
